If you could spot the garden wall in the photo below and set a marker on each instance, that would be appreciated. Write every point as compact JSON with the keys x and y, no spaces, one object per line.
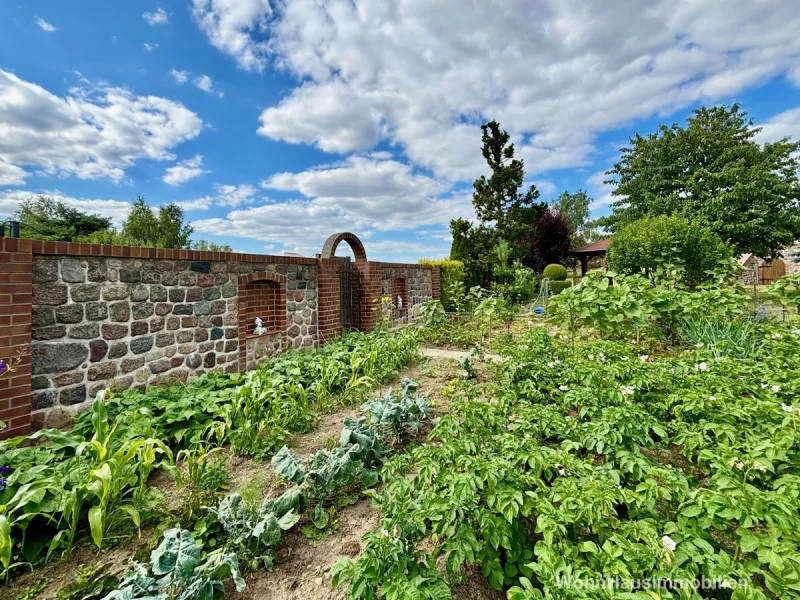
{"x":87,"y":317}
{"x":414,"y":283}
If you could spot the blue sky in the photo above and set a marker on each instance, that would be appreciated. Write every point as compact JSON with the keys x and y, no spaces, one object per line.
{"x":276,"y":123}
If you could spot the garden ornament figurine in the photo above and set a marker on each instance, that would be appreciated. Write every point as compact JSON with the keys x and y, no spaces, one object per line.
{"x":260,"y":329}
{"x":399,"y":303}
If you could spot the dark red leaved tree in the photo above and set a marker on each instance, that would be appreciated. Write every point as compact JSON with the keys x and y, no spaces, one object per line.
{"x":550,"y":242}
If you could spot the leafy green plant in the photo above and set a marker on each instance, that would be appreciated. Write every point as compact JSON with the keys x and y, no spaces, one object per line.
{"x":254,"y":532}
{"x":179,"y":572}
{"x":465,"y":369}
{"x":395,"y":413}
{"x":738,"y":338}
{"x":92,"y":582}
{"x":555,"y":273}
{"x":786,"y":290}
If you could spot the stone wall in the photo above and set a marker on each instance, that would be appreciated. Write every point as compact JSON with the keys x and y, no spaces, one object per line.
{"x":419,"y":282}
{"x":78,"y":318}
{"x":127,"y":322}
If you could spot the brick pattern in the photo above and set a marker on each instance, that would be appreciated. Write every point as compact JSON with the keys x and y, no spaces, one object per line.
{"x":329,"y":248}
{"x":436,"y":282}
{"x":15,"y":334}
{"x":261,"y":295}
{"x":370,"y":294}
{"x":329,"y":299}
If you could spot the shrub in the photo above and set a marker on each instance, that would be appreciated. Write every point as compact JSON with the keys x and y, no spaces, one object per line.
{"x":647,"y":244}
{"x":555,"y":272}
{"x":452,"y":272}
{"x":557,"y":287}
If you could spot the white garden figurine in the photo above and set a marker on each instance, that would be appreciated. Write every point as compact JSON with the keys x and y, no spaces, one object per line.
{"x":260,"y":329}
{"x":399,"y":303}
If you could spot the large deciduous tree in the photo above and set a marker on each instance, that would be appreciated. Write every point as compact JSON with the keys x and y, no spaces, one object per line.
{"x":551,"y":242}
{"x":714,"y":173}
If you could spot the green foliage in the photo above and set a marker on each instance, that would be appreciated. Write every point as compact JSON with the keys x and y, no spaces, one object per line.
{"x":500,"y":199}
{"x":91,"y":583}
{"x":735,"y":338}
{"x":556,"y":287}
{"x":253,"y":533}
{"x":43,"y":218}
{"x":178,"y":572}
{"x":55,"y":489}
{"x":396,"y":413}
{"x":519,"y":285}
{"x":575,"y":207}
{"x":143,"y":228}
{"x":210,"y":246}
{"x":786,"y":290}
{"x":555,"y":272}
{"x":598,"y":463}
{"x":635,"y":305}
{"x":641,"y":247}
{"x":452,"y":273}
{"x":714,"y":173}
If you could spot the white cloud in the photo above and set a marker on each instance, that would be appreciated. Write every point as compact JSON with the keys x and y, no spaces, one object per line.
{"x":116,"y":210}
{"x":44,"y":25}
{"x":780,"y":126}
{"x":360,"y":194}
{"x":150,"y":47}
{"x":600,"y":191}
{"x":91,"y":133}
{"x":554,"y":73}
{"x":11,"y":174}
{"x":184,"y":171}
{"x":179,"y":76}
{"x":204,"y":82}
{"x":234,"y":27}
{"x":234,"y":195}
{"x":546,"y":188}
{"x":203,"y":203}
{"x":158,"y":17}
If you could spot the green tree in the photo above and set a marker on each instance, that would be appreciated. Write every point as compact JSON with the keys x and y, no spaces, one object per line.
{"x":473,"y":247}
{"x":501,"y":199}
{"x":575,"y":207}
{"x":714,"y":173}
{"x":211,"y":246}
{"x":43,"y":218}
{"x":644,"y":245}
{"x":143,"y":227}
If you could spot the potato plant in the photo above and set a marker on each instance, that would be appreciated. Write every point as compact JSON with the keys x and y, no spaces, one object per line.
{"x":602,"y":463}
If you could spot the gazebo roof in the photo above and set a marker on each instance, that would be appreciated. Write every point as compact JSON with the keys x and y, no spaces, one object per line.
{"x":598,"y":247}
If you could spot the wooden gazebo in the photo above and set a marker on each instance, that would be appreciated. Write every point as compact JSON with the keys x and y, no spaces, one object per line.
{"x":589,"y":251}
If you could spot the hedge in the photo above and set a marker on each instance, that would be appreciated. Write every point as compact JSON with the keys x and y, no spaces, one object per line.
{"x":452,"y":271}
{"x":559,"y":286}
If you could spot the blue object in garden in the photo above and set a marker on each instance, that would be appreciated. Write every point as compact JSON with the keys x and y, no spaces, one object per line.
{"x":539,"y":310}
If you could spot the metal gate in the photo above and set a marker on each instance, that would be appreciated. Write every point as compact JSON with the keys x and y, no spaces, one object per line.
{"x":350,"y":295}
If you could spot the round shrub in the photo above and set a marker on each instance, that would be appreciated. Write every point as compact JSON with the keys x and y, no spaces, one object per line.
{"x":557,"y":287}
{"x":644,"y":245}
{"x":555,"y":272}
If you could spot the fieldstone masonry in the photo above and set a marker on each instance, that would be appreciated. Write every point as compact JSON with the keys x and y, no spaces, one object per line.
{"x":85,"y":317}
{"x":125,"y":322}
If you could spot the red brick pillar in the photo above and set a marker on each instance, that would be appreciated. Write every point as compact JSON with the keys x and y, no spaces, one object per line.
{"x":370,"y":293}
{"x":16,"y":294}
{"x":436,"y":282}
{"x":328,"y":299}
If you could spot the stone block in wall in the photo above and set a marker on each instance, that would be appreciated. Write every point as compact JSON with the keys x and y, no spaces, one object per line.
{"x":103,"y":371}
{"x":141,"y":345}
{"x":98,"y":350}
{"x":69,"y":313}
{"x":117,"y":349}
{"x":89,"y":292}
{"x":57,"y":357}
{"x":158,"y":293}
{"x":116,"y":292}
{"x":50,"y":294}
{"x":139,"y":293}
{"x":111,"y":331}
{"x":130,"y":275}
{"x":43,"y":316}
{"x":72,"y":395}
{"x":86,"y":331}
{"x":96,"y":311}
{"x":45,"y":271}
{"x":139,"y":328}
{"x":50,"y":332}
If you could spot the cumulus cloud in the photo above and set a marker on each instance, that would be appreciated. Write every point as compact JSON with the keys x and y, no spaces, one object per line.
{"x":150,"y":47}
{"x":204,"y":82}
{"x":91,"y":133}
{"x":157,"y":17}
{"x":234,"y":27}
{"x":362,"y":194}
{"x":44,"y":25}
{"x":179,"y":76}
{"x":780,"y":126}
{"x":11,"y":174}
{"x":553,"y":73}
{"x":198,"y":204}
{"x":184,"y":171}
{"x":116,"y":210}
{"x":234,"y":195}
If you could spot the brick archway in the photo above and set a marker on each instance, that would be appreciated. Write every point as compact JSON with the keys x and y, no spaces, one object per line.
{"x":261,"y":294}
{"x":329,"y":248}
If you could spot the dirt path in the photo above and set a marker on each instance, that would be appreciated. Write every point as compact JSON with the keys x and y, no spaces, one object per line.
{"x":455,"y":354}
